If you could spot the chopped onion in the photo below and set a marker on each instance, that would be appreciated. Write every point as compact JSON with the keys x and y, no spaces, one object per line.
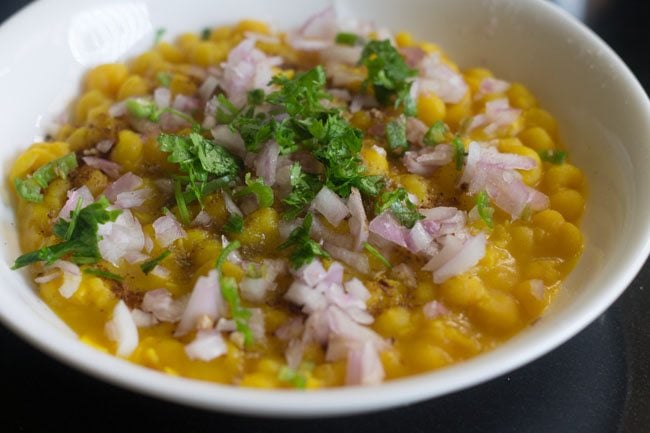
{"x":438,"y":78}
{"x":425,"y":161}
{"x":162,"y":96}
{"x":490,"y":170}
{"x":74,"y":195}
{"x":120,"y":237}
{"x":358,"y":221}
{"x":434,"y":309}
{"x":127,"y":182}
{"x":358,"y":261}
{"x":491,"y":85}
{"x":123,"y":330}
{"x":208,"y":87}
{"x":131,"y":199}
{"x":202,"y":219}
{"x":71,"y":277}
{"x":160,"y":303}
{"x":317,"y":33}
{"x":331,"y":206}
{"x":364,"y":366}
{"x":246,"y":68}
{"x":290,"y":329}
{"x":206,"y":346}
{"x":142,"y":319}
{"x":168,"y":229}
{"x":118,"y":109}
{"x":110,"y":168}
{"x":105,"y":146}
{"x":464,"y":258}
{"x":205,"y":301}
{"x":230,"y":140}
{"x":415,"y":130}
{"x":266,"y":162}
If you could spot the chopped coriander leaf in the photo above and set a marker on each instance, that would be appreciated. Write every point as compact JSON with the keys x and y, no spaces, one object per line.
{"x":255,"y":129}
{"x":208,"y":188}
{"x":180,"y":203}
{"x":338,"y":147}
{"x":396,"y":135}
{"x":239,"y":314}
{"x":226,"y":110}
{"x":556,"y":157}
{"x":205,"y":33}
{"x":164,"y":78}
{"x":30,"y":188}
{"x":304,"y":188}
{"x":82,"y":246}
{"x":293,"y":377}
{"x":159,"y":36}
{"x":389,"y":75}
{"x":199,"y":158}
{"x":436,"y":134}
{"x":235,"y":224}
{"x":149,"y":265}
{"x":103,"y":274}
{"x":372,"y":250}
{"x":143,"y":109}
{"x":305,"y":249}
{"x":399,"y":204}
{"x":262,"y":192}
{"x":350,"y":39}
{"x":223,"y":255}
{"x":301,"y":95}
{"x":459,"y":152}
{"x":74,"y":217}
{"x":256,"y":97}
{"x":485,"y":210}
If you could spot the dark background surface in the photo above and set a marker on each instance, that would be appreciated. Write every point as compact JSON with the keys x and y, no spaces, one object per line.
{"x":596,"y":382}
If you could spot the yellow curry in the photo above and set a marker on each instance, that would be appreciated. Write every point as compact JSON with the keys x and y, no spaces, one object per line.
{"x":323,"y":207}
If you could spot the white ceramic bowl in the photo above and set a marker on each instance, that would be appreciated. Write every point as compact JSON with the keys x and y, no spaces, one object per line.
{"x":602,"y":111}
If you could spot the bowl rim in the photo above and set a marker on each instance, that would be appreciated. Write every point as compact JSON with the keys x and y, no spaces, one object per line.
{"x":328,"y":402}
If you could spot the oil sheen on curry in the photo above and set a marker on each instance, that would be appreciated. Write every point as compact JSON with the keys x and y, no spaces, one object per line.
{"x":332,"y":205}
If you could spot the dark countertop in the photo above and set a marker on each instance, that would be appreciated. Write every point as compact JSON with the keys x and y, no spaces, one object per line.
{"x":596,"y":382}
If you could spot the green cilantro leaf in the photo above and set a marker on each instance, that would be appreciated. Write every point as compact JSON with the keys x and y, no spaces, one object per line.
{"x":223,"y":255}
{"x":459,"y":152}
{"x":436,"y":134}
{"x":262,"y":192}
{"x":98,"y":272}
{"x":293,"y":377}
{"x":30,"y":188}
{"x":82,"y":243}
{"x":304,"y":188}
{"x":389,"y":75}
{"x":164,"y":78}
{"x":485,"y":210}
{"x":256,"y":97}
{"x":199,"y":158}
{"x":372,"y":250}
{"x":205,"y":33}
{"x":396,"y":135}
{"x":398,"y":203}
{"x":351,"y":39}
{"x":235,"y":224}
{"x":158,"y":36}
{"x":302,"y":94}
{"x":305,"y":249}
{"x":149,"y":265}
{"x":239,"y":314}
{"x":557,"y":157}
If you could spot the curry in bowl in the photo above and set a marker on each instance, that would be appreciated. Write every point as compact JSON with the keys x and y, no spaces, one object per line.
{"x":333,"y":205}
